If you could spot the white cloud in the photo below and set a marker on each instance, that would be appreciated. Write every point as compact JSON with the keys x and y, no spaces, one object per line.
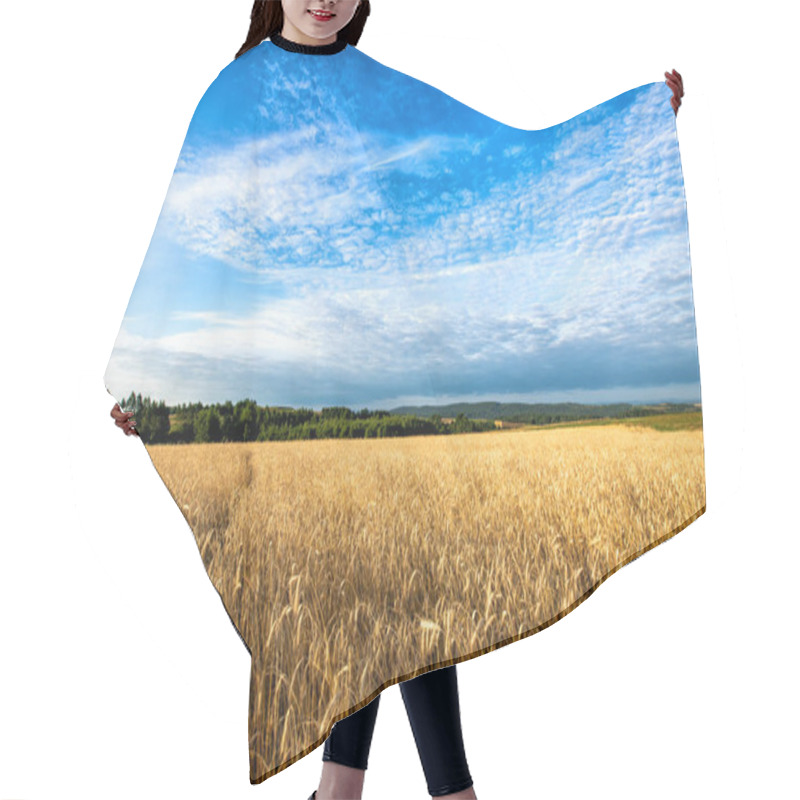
{"x":365,"y":300}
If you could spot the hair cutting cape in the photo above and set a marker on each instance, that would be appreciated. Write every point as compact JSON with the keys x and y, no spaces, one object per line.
{"x":418,"y":380}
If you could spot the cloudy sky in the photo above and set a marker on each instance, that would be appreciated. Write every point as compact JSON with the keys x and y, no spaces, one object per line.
{"x":339,"y":233}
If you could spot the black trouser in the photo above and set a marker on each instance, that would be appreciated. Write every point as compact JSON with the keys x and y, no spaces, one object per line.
{"x":432,"y":706}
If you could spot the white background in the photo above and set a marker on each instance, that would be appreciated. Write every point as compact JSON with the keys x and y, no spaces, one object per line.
{"x":120,"y":673}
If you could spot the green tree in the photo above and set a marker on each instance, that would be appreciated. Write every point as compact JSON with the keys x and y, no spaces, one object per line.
{"x":208,"y":426}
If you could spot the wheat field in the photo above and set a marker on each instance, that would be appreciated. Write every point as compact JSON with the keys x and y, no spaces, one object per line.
{"x":349,"y":565}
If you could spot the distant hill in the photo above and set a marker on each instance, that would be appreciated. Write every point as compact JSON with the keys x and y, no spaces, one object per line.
{"x":544,"y":413}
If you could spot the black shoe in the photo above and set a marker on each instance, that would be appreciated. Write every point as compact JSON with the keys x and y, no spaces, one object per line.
{"x":313,"y":795}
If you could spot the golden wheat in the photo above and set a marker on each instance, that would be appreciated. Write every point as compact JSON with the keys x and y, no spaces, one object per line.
{"x":348,"y":565}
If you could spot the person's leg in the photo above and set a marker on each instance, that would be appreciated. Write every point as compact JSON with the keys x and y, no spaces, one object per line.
{"x":346,"y":753}
{"x":433,"y":710}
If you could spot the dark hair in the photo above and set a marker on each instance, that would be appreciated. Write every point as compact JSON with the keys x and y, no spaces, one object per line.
{"x":266,"y":18}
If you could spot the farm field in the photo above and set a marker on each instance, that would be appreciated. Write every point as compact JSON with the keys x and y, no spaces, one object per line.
{"x":343,"y":561}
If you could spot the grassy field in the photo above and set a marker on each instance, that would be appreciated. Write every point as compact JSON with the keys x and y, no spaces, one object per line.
{"x":349,"y":565}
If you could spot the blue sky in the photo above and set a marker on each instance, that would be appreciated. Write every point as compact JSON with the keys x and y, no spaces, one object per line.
{"x":339,"y":233}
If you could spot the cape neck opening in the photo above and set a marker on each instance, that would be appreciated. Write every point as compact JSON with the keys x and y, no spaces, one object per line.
{"x":308,"y":49}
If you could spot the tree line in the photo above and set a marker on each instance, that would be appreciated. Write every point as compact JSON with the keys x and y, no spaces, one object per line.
{"x":246,"y":421}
